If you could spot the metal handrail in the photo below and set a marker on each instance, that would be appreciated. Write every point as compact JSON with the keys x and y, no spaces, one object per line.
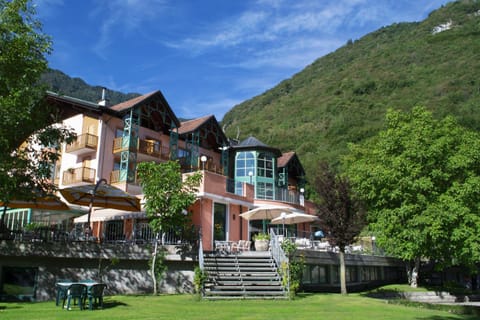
{"x":200,"y":251}
{"x":280,"y":257}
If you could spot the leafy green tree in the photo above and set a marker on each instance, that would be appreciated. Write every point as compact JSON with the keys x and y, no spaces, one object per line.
{"x":168,"y":195}
{"x":342,"y":216}
{"x":420,"y":179}
{"x":28,"y":141}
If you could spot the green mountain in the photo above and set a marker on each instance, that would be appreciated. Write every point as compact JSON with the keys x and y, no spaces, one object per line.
{"x":61,"y":83}
{"x":343,"y":96}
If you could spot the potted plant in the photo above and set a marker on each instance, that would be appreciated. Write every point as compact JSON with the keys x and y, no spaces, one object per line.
{"x":262,"y":241}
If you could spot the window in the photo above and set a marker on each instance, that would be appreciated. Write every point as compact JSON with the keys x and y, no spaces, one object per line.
{"x":264,"y":190}
{"x":19,"y":282}
{"x":351,"y":274}
{"x":315,"y":274}
{"x":182,"y":153}
{"x":244,"y":164}
{"x":219,"y":221}
{"x":118,"y":133}
{"x":265,"y":165}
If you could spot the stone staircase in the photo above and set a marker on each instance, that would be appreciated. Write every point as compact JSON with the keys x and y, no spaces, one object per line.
{"x":246,"y":275}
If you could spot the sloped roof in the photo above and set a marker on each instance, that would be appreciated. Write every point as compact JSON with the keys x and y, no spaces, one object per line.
{"x":163,"y":114}
{"x":291,"y":161}
{"x":285,"y":158}
{"x":70,"y":106}
{"x":210,"y":133}
{"x":192,"y":125}
{"x":252,"y":142}
{"x":133,"y":102}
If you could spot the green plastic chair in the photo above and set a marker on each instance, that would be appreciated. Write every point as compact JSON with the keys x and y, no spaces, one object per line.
{"x":61,"y":291}
{"x":95,"y":295}
{"x":77,"y":292}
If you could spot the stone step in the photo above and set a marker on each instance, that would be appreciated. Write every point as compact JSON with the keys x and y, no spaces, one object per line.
{"x":246,"y":288}
{"x":245,"y":293}
{"x":243,"y":269}
{"x":239,"y":260}
{"x":255,"y":274}
{"x":247,"y":283}
{"x":252,"y":276}
{"x":243,"y":297}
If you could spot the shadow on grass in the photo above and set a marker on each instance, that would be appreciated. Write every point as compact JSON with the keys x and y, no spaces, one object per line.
{"x":303,"y":295}
{"x":450,"y":308}
{"x":10,"y":306}
{"x":110,"y":304}
{"x":398,"y":296}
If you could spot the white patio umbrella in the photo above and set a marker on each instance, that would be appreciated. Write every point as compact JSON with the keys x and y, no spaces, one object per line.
{"x":101,"y":195}
{"x":294,"y":218}
{"x":266,"y":212}
{"x":110,"y":214}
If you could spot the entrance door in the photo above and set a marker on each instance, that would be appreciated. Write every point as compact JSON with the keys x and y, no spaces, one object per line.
{"x":220,"y":222}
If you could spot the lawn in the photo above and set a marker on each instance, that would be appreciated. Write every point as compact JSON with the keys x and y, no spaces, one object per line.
{"x":309,"y":306}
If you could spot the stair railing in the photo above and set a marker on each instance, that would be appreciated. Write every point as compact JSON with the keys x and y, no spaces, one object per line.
{"x":201,"y":262}
{"x":281,"y":259}
{"x":200,"y":251}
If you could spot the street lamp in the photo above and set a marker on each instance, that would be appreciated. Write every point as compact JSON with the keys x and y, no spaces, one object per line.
{"x":250,"y":174}
{"x":283,"y":215}
{"x":374,"y":249}
{"x":203,"y":159}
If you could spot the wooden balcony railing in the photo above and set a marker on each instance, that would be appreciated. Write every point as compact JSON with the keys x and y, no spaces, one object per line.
{"x":85,"y":143}
{"x":77,"y":175}
{"x":151,"y":148}
{"x":154,"y":148}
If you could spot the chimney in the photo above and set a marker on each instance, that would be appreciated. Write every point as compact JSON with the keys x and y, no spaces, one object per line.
{"x":104,"y":102}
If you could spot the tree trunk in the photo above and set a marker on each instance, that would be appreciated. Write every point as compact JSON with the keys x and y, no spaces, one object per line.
{"x":412,"y":273}
{"x":152,"y":270}
{"x":343,"y":281}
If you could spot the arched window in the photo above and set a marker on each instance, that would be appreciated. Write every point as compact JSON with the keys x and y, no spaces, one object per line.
{"x":245,"y":163}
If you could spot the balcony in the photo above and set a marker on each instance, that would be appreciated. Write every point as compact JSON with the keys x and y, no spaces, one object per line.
{"x":152,"y":149}
{"x":78,"y":175}
{"x":147,"y":150}
{"x":85,"y":143}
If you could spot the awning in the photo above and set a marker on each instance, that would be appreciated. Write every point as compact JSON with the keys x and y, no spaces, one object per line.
{"x":110,"y":214}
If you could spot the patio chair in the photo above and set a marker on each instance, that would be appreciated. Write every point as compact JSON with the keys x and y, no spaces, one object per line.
{"x":221,"y":246}
{"x":61,"y":291}
{"x":246,"y":245}
{"x":236,"y":246}
{"x":95,"y":295}
{"x":77,"y":292}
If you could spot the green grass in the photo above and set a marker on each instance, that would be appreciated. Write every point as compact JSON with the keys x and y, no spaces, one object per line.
{"x":308,"y":306}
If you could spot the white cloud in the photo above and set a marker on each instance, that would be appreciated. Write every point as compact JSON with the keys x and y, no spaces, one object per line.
{"x":272,"y":26}
{"x":123,"y":16}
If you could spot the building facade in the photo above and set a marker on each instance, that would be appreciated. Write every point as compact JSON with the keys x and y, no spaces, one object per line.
{"x":238,"y":176}
{"x":113,"y":140}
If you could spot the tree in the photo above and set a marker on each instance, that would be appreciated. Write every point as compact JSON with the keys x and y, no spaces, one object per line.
{"x":28,"y":141}
{"x":341,"y":214}
{"x":420,"y":180}
{"x":168,"y":195}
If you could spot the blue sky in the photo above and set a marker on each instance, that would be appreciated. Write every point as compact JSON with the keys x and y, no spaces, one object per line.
{"x":207,"y":56}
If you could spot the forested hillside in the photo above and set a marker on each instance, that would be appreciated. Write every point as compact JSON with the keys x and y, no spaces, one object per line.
{"x":61,"y":83}
{"x":342,"y":97}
